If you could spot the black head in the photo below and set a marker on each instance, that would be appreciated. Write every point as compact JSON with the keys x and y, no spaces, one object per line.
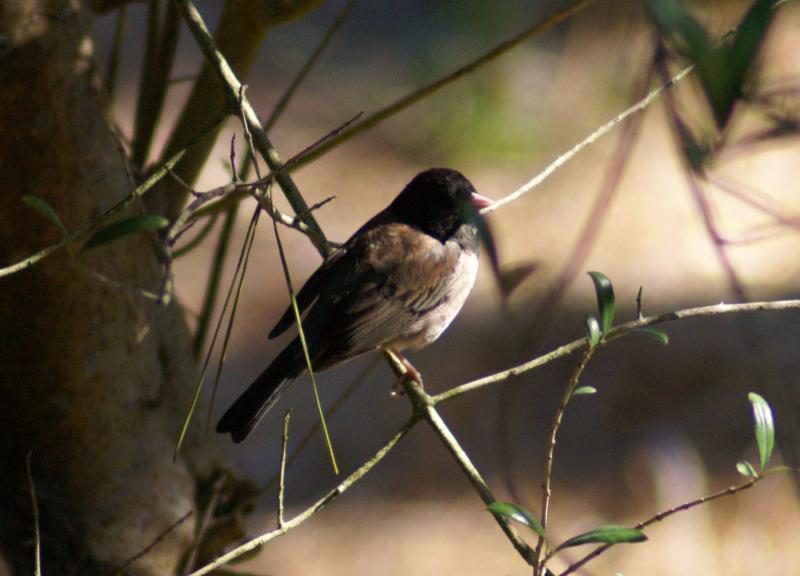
{"x":438,"y":201}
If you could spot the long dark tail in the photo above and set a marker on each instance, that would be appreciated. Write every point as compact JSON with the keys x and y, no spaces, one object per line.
{"x":243,"y":415}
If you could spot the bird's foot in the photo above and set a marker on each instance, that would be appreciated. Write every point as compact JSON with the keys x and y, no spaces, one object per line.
{"x":411,"y":374}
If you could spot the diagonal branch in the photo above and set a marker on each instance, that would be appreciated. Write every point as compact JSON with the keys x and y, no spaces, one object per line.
{"x":574,"y":346}
{"x":661,"y":516}
{"x":233,"y":88}
{"x":315,"y":508}
{"x":409,"y":100}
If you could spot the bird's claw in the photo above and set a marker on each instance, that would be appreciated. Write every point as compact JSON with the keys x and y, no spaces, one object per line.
{"x":411,"y":374}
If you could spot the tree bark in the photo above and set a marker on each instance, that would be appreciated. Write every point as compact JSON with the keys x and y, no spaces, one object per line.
{"x":95,"y":379}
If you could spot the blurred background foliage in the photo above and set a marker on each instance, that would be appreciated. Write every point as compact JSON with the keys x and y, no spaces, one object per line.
{"x":667,"y":425}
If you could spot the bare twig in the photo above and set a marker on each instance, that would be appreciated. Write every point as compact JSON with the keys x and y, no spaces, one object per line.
{"x":156,"y":541}
{"x":232,"y":88}
{"x":409,"y":100}
{"x":282,"y":481}
{"x":661,"y":516}
{"x":423,"y":407}
{"x":279,"y":108}
{"x":641,"y":105}
{"x":574,"y":346}
{"x":231,"y":211}
{"x":468,"y":468}
{"x":37,"y":538}
{"x":205,"y":521}
{"x":344,"y":395}
{"x":547,"y":491}
{"x":135,"y":195}
{"x":312,"y":510}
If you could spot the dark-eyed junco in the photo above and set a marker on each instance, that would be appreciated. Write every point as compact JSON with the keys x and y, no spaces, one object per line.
{"x":397,"y":283}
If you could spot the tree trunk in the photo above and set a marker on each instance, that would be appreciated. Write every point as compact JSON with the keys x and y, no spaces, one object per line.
{"x":95,"y":378}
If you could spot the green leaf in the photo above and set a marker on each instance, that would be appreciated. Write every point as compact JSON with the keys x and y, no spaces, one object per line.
{"x":592,"y":328}
{"x":125,"y":227}
{"x":780,"y":469}
{"x":606,"y":535}
{"x":722,"y":68}
{"x":43,"y":208}
{"x":517,"y":513}
{"x":583,"y":390}
{"x":750,"y":36}
{"x":605,"y":300}
{"x":654,"y":333}
{"x":765,"y":429}
{"x":746,"y":469}
{"x":679,"y":27}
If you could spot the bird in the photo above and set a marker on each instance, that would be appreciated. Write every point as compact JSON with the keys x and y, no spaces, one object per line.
{"x":397,"y":283}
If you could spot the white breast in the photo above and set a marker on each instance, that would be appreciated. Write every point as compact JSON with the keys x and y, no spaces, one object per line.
{"x":435,"y":321}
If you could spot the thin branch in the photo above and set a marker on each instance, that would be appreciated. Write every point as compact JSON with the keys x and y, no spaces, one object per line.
{"x":37,"y":537}
{"x":232,"y":88}
{"x":344,"y":395}
{"x":240,"y":265}
{"x":409,"y":100}
{"x":312,"y":60}
{"x":135,"y":194}
{"x":660,"y":516}
{"x":156,"y":541}
{"x":236,"y":283}
{"x":232,"y":193}
{"x":547,"y":491}
{"x":282,"y":481}
{"x":205,"y":521}
{"x":423,"y":407}
{"x":304,"y":344}
{"x":574,"y":346}
{"x":315,"y":508}
{"x":478,"y":483}
{"x":231,"y":211}
{"x":601,"y":205}
{"x":641,"y":105}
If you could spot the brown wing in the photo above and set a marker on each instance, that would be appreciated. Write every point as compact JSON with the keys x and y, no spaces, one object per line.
{"x":383,"y":286}
{"x":308,"y":293}
{"x":336,"y":270}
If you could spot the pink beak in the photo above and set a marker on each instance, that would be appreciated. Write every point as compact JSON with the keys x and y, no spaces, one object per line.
{"x":480,"y":201}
